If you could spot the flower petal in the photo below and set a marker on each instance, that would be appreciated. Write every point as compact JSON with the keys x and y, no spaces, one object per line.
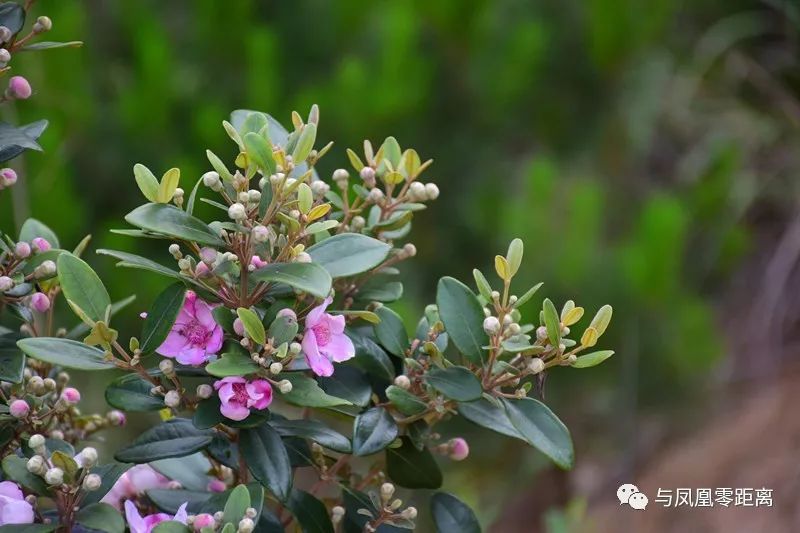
{"x":339,"y":348}
{"x":234,"y":411}
{"x":315,"y":315}
{"x":173,"y":344}
{"x":319,"y":364}
{"x":194,"y":356}
{"x":134,"y":519}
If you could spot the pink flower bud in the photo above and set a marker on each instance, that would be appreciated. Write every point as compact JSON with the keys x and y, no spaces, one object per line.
{"x":6,"y":283}
{"x":459,"y":449}
{"x":40,"y":302}
{"x":203,"y":520}
{"x":71,"y":395}
{"x":18,"y":87}
{"x":116,"y":418}
{"x":216,"y":485}
{"x":8,"y":177}
{"x":41,"y":244}
{"x":22,"y":249}
{"x":201,"y":270}
{"x":288,"y":313}
{"x":238,"y":327}
{"x":19,"y":408}
{"x":208,"y":255}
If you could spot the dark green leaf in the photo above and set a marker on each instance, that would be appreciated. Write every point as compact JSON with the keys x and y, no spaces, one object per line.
{"x":190,"y":471}
{"x":12,"y":360}
{"x":267,"y":459}
{"x":131,"y":392}
{"x":306,"y":393}
{"x":455,"y":382}
{"x":406,"y":403}
{"x":391,"y":332}
{"x":451,"y":515}
{"x":136,"y":261}
{"x":109,"y":474}
{"x":50,"y":45}
{"x":161,"y":317}
{"x":14,"y":141}
{"x":541,"y":429}
{"x":15,"y":468}
{"x":307,"y":277}
{"x":314,"y":430}
{"x":371,"y":357}
{"x":174,"y":438}
{"x":348,"y":383}
{"x":65,"y":352}
{"x":348,"y":254}
{"x":102,"y":517}
{"x":373,"y":431}
{"x":12,"y":16}
{"x":169,"y":220}
{"x":462,"y":315}
{"x":552,"y":322}
{"x":310,"y":512}
{"x":28,"y":528}
{"x":412,"y":468}
{"x":82,"y":286}
{"x":485,"y":413}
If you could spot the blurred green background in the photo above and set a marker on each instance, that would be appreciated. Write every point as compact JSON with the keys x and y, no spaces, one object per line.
{"x":646,"y":152}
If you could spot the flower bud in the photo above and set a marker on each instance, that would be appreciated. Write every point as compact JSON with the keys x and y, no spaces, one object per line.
{"x":6,"y":283}
{"x":8,"y":176}
{"x":541,"y":333}
{"x":18,"y":88}
{"x":116,"y":418}
{"x":202,"y":521}
{"x":218,"y":516}
{"x":216,"y":485}
{"x":337,"y":513}
{"x":410,"y":513}
{"x":5,"y":56}
{"x":238,"y":327}
{"x":295,"y":348}
{"x":358,"y":223}
{"x":409,"y":250}
{"x":387,"y":491}
{"x":285,"y":386}
{"x":172,"y":398}
{"x":5,"y":34}
{"x":22,"y":249}
{"x":287,"y":312}
{"x":246,"y":525}
{"x":57,"y":434}
{"x":253,"y":196}
{"x":514,"y":328}
{"x":375,"y":196}
{"x":319,"y":188}
{"x":536,"y":365}
{"x":35,"y":385}
{"x":36,"y":465}
{"x":46,"y":270}
{"x":36,"y":441}
{"x":458,"y":449}
{"x":302,"y":257}
{"x":368,"y":175}
{"x":211,"y":179}
{"x":416,"y":191}
{"x":54,"y":476}
{"x":276,"y":368}
{"x":41,"y":244}
{"x":92,"y":482}
{"x":431,"y":191}
{"x":237,"y":211}
{"x":71,"y":395}
{"x":260,"y":233}
{"x":49,"y":384}
{"x":42,"y":25}
{"x":88,"y":457}
{"x":166,"y":366}
{"x":204,"y":391}
{"x":40,"y":302}
{"x":19,"y":409}
{"x":402,"y":381}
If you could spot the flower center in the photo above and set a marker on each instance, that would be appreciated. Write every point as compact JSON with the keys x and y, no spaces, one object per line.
{"x":240,"y":395}
{"x":323,"y":334}
{"x":195,"y":332}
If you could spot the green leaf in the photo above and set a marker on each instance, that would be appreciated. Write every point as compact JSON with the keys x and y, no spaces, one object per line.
{"x":391,"y":332}
{"x":174,"y":438}
{"x":371,"y":357}
{"x":208,"y":415}
{"x":406,"y":403}
{"x":15,"y":468}
{"x":552,"y":322}
{"x":514,"y":256}
{"x":65,"y":352}
{"x":33,"y":228}
{"x":232,"y":364}
{"x":171,"y":526}
{"x":412,"y":468}
{"x":305,"y":143}
{"x":237,"y":504}
{"x":260,"y":152}
{"x":82,"y":286}
{"x":169,"y":220}
{"x":252,"y":325}
{"x":310,"y":512}
{"x":219,"y":166}
{"x":283,"y":329}
{"x":462,"y":315}
{"x":169,"y":183}
{"x":28,"y":528}
{"x":316,"y":431}
{"x":146,"y":181}
{"x":602,"y":319}
{"x":137,"y":261}
{"x":15,"y":140}
{"x":487,"y":414}
{"x":131,"y":392}
{"x":82,"y":328}
{"x":267,"y":459}
{"x":12,"y":16}
{"x":484,"y":288}
{"x":455,"y":382}
{"x":307,"y":393}
{"x":348,"y":383}
{"x":102,"y":517}
{"x":307,"y":277}
{"x":109,"y":474}
{"x":50,"y":45}
{"x":522,"y":300}
{"x":451,"y":514}
{"x":348,"y":254}
{"x":541,"y":429}
{"x":592,"y":359}
{"x":373,"y":431}
{"x":161,"y":317}
{"x":190,"y":471}
{"x":12,"y":360}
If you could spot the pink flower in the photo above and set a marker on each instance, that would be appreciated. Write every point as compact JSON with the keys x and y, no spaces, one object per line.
{"x":256,"y":262}
{"x":139,"y":524}
{"x":18,"y":87}
{"x":19,"y":408}
{"x":13,"y":507}
{"x":41,"y":244}
{"x":238,"y":396}
{"x":40,"y":302}
{"x":324,"y":340}
{"x":134,"y":482}
{"x":195,"y":335}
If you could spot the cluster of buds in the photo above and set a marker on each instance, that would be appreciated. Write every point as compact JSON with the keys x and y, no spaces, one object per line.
{"x":13,"y":273}
{"x":208,"y":523}
{"x":389,"y":511}
{"x":67,"y":474}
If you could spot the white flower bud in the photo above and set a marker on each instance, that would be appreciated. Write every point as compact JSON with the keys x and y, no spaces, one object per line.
{"x":416,"y":192}
{"x":491,"y":325}
{"x":36,"y":465}
{"x":431,"y":191}
{"x":276,"y":368}
{"x":36,"y":441}
{"x":36,"y":385}
{"x":211,"y":179}
{"x":172,"y":398}
{"x":290,"y":182}
{"x":337,"y":513}
{"x":541,"y":333}
{"x":6,"y":283}
{"x":409,"y":249}
{"x":205,"y":391}
{"x":402,"y":381}
{"x":166,"y":366}
{"x":358,"y":223}
{"x":88,"y":457}
{"x":54,"y":476}
{"x":536,"y":365}
{"x":340,"y":174}
{"x":295,"y":348}
{"x":175,"y":250}
{"x":254,"y":196}
{"x":572,"y":358}
{"x":184,"y":264}
{"x":514,"y":328}
{"x":250,"y":512}
{"x":243,"y":197}
{"x":260,"y":233}
{"x":45,"y":270}
{"x":410,"y":513}
{"x":285,"y":386}
{"x":237,"y":212}
{"x":5,"y":55}
{"x":375,"y":196}
{"x":368,"y":175}
{"x":302,"y":257}
{"x":319,"y":188}
{"x":49,"y":384}
{"x":246,"y":525}
{"x":178,"y":193}
{"x":92,"y":482}
{"x":387,"y":491}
